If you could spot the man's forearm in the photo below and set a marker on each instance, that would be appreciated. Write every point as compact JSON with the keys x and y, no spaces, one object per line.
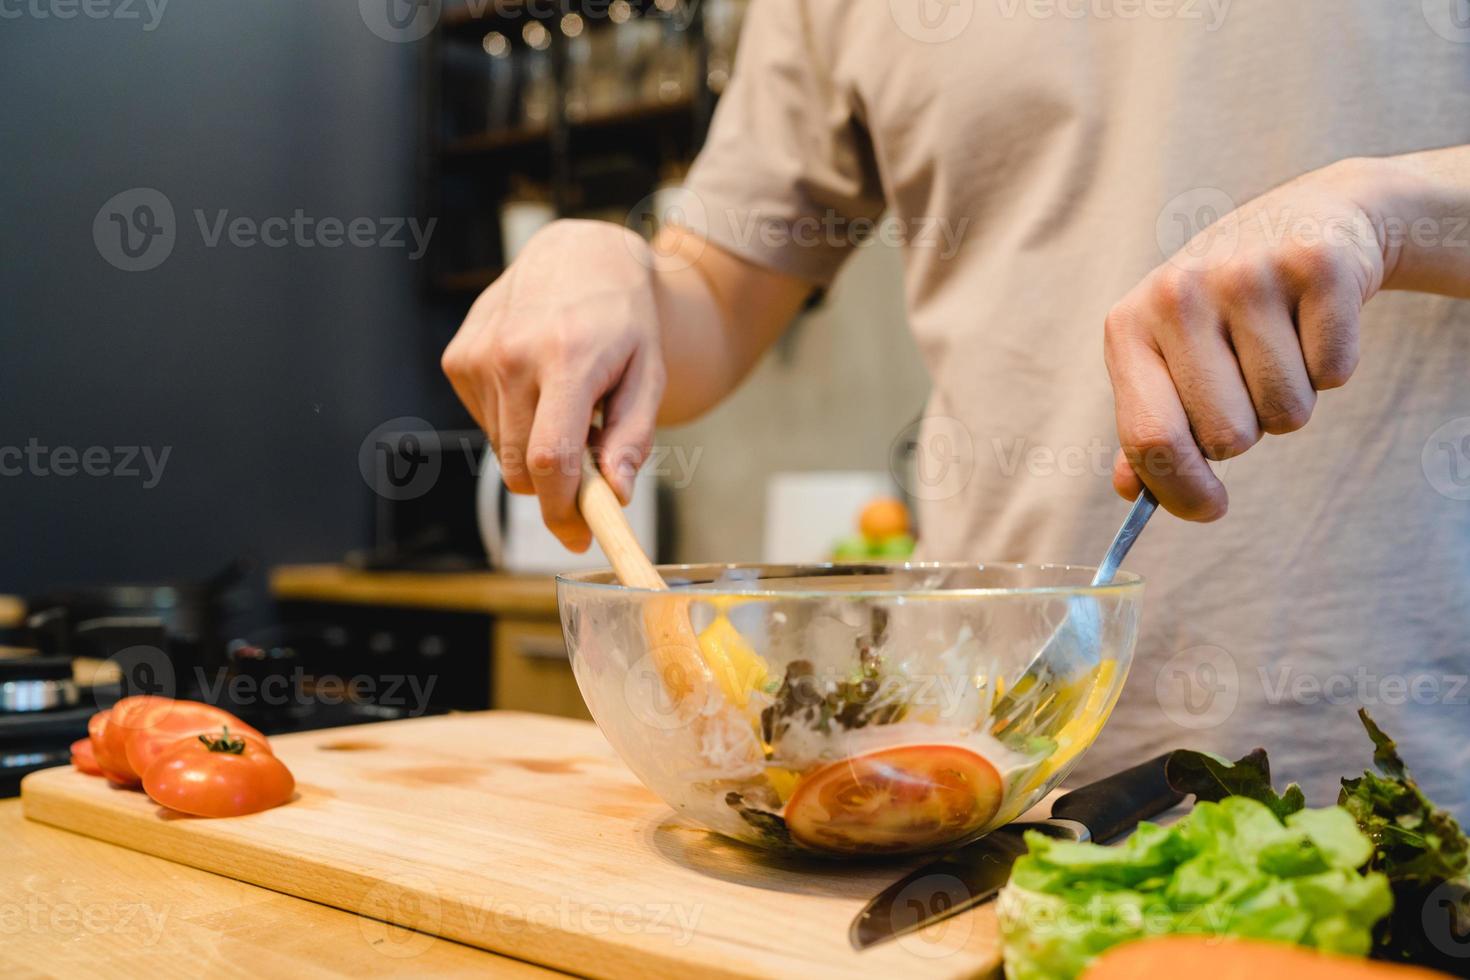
{"x":1419,"y":204}
{"x":717,"y":315}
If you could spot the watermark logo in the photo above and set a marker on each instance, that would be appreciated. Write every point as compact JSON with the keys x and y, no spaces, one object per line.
{"x":1450,"y":19}
{"x":36,"y":459}
{"x":399,"y":916}
{"x":410,"y":692}
{"x":666,"y":688}
{"x":668,"y":207}
{"x":1211,"y":12}
{"x":932,"y":21}
{"x":1446,"y":919}
{"x":932,"y":895}
{"x":933,"y":458}
{"x":63,"y":922}
{"x":148,"y":12}
{"x":1182,"y":222}
{"x":1012,"y":456}
{"x":135,"y":230}
{"x":140,"y":670}
{"x":1446,"y":459}
{"x":400,"y":459}
{"x":400,"y":21}
{"x":1364,"y":687}
{"x":1199,"y":687}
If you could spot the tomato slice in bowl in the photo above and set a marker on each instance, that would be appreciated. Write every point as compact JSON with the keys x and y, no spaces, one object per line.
{"x":894,"y":800}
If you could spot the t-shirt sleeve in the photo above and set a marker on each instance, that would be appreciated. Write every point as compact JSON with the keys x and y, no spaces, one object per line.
{"x":787,"y":178}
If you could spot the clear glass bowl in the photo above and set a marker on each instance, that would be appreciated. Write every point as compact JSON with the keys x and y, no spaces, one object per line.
{"x":853,"y":709}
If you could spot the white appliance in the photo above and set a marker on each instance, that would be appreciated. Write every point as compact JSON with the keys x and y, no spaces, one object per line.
{"x":808,"y":513}
{"x":517,"y":541}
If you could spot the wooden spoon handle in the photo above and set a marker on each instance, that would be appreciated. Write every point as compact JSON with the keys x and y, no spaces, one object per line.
{"x":604,"y":515}
{"x":671,"y":639}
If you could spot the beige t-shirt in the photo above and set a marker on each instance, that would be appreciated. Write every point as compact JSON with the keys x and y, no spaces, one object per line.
{"x":1039,"y":158}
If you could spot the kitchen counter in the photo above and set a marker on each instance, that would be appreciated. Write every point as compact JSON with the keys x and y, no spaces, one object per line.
{"x":495,"y":593}
{"x":71,"y":906}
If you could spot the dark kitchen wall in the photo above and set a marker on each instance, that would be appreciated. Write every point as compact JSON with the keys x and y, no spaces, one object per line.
{"x":259,"y":369}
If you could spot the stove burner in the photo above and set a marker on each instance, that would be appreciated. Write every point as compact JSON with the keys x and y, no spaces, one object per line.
{"x":30,"y":684}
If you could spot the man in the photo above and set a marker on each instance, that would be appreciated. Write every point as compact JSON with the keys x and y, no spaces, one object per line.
{"x":1071,"y":148}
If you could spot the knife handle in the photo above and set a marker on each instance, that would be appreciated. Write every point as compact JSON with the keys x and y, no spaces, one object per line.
{"x":1113,"y":806}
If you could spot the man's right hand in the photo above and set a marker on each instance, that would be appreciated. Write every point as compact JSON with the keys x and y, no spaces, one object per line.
{"x":572,"y":323}
{"x":590,"y":314}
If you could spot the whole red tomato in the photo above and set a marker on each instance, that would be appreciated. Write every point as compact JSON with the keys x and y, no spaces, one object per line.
{"x":219,"y":775}
{"x":158,"y":728}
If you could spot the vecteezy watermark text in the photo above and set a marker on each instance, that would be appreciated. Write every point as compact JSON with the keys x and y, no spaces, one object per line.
{"x":1364,"y":687}
{"x":1211,"y":12}
{"x":402,"y":459}
{"x":408,"y":691}
{"x":136,"y":230}
{"x":124,"y":462}
{"x":61,"y":919}
{"x":123,"y":10}
{"x":305,"y":231}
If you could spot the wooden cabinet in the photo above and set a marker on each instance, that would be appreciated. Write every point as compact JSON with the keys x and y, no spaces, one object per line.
{"x":521,"y":665}
{"x":531,"y":671}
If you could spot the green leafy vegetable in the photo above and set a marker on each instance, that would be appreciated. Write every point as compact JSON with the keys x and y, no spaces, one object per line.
{"x":769,"y":825}
{"x":1211,"y":779}
{"x":810,"y":701}
{"x":1422,"y":851}
{"x":1416,"y":842}
{"x":1235,"y":868}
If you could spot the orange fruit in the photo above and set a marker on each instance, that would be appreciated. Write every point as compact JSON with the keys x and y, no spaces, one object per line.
{"x":884,"y":518}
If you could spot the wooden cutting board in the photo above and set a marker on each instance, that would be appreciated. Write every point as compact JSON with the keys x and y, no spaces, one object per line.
{"x":524,"y":835}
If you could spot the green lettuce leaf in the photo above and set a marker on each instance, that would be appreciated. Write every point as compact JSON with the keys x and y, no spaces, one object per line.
{"x":1415,"y":841}
{"x":1233,"y":867}
{"x":1210,"y":778}
{"x":1422,"y":851}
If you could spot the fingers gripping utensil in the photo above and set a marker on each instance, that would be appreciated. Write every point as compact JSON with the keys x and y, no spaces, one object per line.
{"x":973,"y":875}
{"x":1040,"y":700}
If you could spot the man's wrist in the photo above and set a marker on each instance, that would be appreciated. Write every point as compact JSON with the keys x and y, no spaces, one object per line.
{"x":1388,"y":194}
{"x":1419,"y":210}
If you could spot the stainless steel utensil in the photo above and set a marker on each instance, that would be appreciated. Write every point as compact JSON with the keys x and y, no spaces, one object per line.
{"x":972,"y":875}
{"x":1039,"y":701}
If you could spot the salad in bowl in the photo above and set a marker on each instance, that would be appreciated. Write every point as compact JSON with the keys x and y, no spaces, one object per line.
{"x":841,"y":710}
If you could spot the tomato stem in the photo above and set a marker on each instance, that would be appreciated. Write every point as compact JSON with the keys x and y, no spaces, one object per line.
{"x":224,"y":743}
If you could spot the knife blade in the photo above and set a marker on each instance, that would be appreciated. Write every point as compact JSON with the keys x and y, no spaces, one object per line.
{"x":974,"y":874}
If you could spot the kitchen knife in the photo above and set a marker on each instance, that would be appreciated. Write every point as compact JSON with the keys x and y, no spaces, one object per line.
{"x":972,"y":875}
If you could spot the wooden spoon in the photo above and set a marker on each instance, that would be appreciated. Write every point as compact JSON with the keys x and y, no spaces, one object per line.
{"x":725,"y":739}
{"x":674,"y":644}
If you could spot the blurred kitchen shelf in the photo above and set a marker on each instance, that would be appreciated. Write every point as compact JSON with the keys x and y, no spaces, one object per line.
{"x":645,"y":114}
{"x":478,"y":16}
{"x":594,"y":165}
{"x":499,"y":139}
{"x":635,"y":115}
